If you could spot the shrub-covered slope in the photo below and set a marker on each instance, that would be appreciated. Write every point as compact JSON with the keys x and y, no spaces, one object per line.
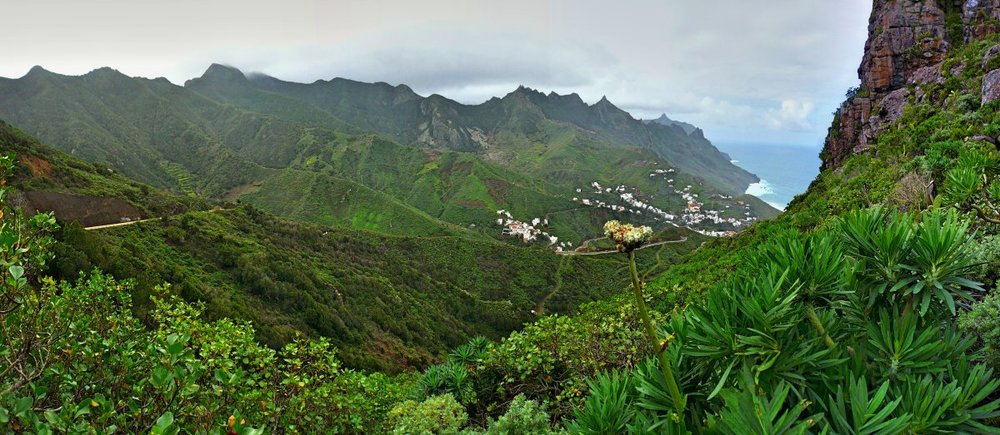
{"x":387,"y":302}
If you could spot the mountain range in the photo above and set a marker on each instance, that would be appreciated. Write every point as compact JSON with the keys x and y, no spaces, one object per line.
{"x":339,"y":208}
{"x":375,"y":156}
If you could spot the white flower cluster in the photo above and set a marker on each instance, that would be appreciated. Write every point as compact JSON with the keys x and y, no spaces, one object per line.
{"x":627,"y":236}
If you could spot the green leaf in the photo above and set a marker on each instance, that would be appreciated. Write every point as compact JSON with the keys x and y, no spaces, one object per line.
{"x":948,"y":299}
{"x":175,"y":348}
{"x":725,"y":376}
{"x":164,"y":425}
{"x":160,"y":376}
{"x":16,"y":271}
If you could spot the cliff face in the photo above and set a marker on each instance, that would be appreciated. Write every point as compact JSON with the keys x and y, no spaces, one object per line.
{"x":907,"y":42}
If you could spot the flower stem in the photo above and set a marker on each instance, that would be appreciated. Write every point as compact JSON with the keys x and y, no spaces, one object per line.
{"x":814,"y":320}
{"x":660,"y":351}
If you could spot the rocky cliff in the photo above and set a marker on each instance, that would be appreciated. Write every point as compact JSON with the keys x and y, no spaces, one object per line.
{"x":908,"y":41}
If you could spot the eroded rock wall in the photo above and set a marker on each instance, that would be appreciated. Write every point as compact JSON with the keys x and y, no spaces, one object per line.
{"x":907,"y":42}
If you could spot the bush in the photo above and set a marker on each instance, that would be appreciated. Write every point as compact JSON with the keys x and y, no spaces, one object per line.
{"x":983,"y":320}
{"x":522,"y":417}
{"x":967,"y":103}
{"x":437,"y":415}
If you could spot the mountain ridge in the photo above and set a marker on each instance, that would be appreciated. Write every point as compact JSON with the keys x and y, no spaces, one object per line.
{"x":253,"y":137}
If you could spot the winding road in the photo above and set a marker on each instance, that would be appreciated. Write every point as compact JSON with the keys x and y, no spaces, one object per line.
{"x":122,"y":224}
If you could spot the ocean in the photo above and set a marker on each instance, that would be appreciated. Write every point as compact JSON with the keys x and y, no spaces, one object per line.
{"x":784,"y":170}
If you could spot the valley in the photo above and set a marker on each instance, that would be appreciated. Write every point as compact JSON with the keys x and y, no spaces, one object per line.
{"x":310,"y":159}
{"x":238,"y":253}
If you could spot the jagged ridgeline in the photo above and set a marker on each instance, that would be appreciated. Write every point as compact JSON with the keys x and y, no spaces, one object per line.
{"x":378,"y":157}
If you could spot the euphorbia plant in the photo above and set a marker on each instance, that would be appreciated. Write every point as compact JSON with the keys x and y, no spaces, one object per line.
{"x":628,"y":238}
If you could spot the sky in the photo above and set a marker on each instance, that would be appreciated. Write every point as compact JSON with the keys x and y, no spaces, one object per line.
{"x":769,"y":71}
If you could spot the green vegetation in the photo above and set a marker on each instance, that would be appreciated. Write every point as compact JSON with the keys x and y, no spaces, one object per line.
{"x":881,"y":287}
{"x":299,"y":151}
{"x":868,"y":307}
{"x":44,"y":169}
{"x":388,"y":303}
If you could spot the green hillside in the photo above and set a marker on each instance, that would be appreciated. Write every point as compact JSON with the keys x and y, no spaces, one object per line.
{"x":387,"y":302}
{"x":43,"y":169}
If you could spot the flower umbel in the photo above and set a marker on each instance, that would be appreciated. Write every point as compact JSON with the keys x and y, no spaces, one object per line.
{"x":627,"y":237}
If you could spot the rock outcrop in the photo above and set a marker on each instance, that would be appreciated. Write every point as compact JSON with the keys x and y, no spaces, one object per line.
{"x":907,"y":42}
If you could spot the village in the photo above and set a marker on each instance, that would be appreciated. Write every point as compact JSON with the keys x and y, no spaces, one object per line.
{"x":694,"y":214}
{"x":529,"y":232}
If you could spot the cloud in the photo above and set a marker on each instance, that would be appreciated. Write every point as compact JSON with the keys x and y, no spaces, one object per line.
{"x":793,"y":115}
{"x":469,"y":61}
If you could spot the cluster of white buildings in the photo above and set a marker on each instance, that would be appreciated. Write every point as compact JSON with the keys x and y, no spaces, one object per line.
{"x":624,"y":199}
{"x":695,"y":213}
{"x":628,"y":201}
{"x":529,"y":231}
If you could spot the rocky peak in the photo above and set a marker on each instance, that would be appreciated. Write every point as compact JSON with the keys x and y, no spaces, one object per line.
{"x":571,"y":99}
{"x":526,"y":92}
{"x":697,"y":133}
{"x":217,"y":73}
{"x":37,"y":71}
{"x":605,"y":107}
{"x":665,"y":120}
{"x":903,"y":36}
{"x":105,"y":72}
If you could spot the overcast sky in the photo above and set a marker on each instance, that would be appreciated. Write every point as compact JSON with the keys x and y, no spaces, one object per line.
{"x":744,"y":70}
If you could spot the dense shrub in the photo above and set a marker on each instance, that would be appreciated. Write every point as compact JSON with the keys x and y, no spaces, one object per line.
{"x":983,"y":320}
{"x":435,"y":415}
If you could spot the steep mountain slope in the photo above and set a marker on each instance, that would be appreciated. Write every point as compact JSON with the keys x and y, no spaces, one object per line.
{"x":172,"y":138}
{"x":386,"y":302}
{"x":49,"y":180}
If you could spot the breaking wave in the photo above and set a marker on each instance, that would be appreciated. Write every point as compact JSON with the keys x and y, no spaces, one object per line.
{"x":760,"y":188}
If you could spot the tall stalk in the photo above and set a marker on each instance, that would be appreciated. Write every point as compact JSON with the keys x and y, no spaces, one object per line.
{"x":660,"y":350}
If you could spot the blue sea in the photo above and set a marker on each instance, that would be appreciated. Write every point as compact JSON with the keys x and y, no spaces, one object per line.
{"x":784,"y":170}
